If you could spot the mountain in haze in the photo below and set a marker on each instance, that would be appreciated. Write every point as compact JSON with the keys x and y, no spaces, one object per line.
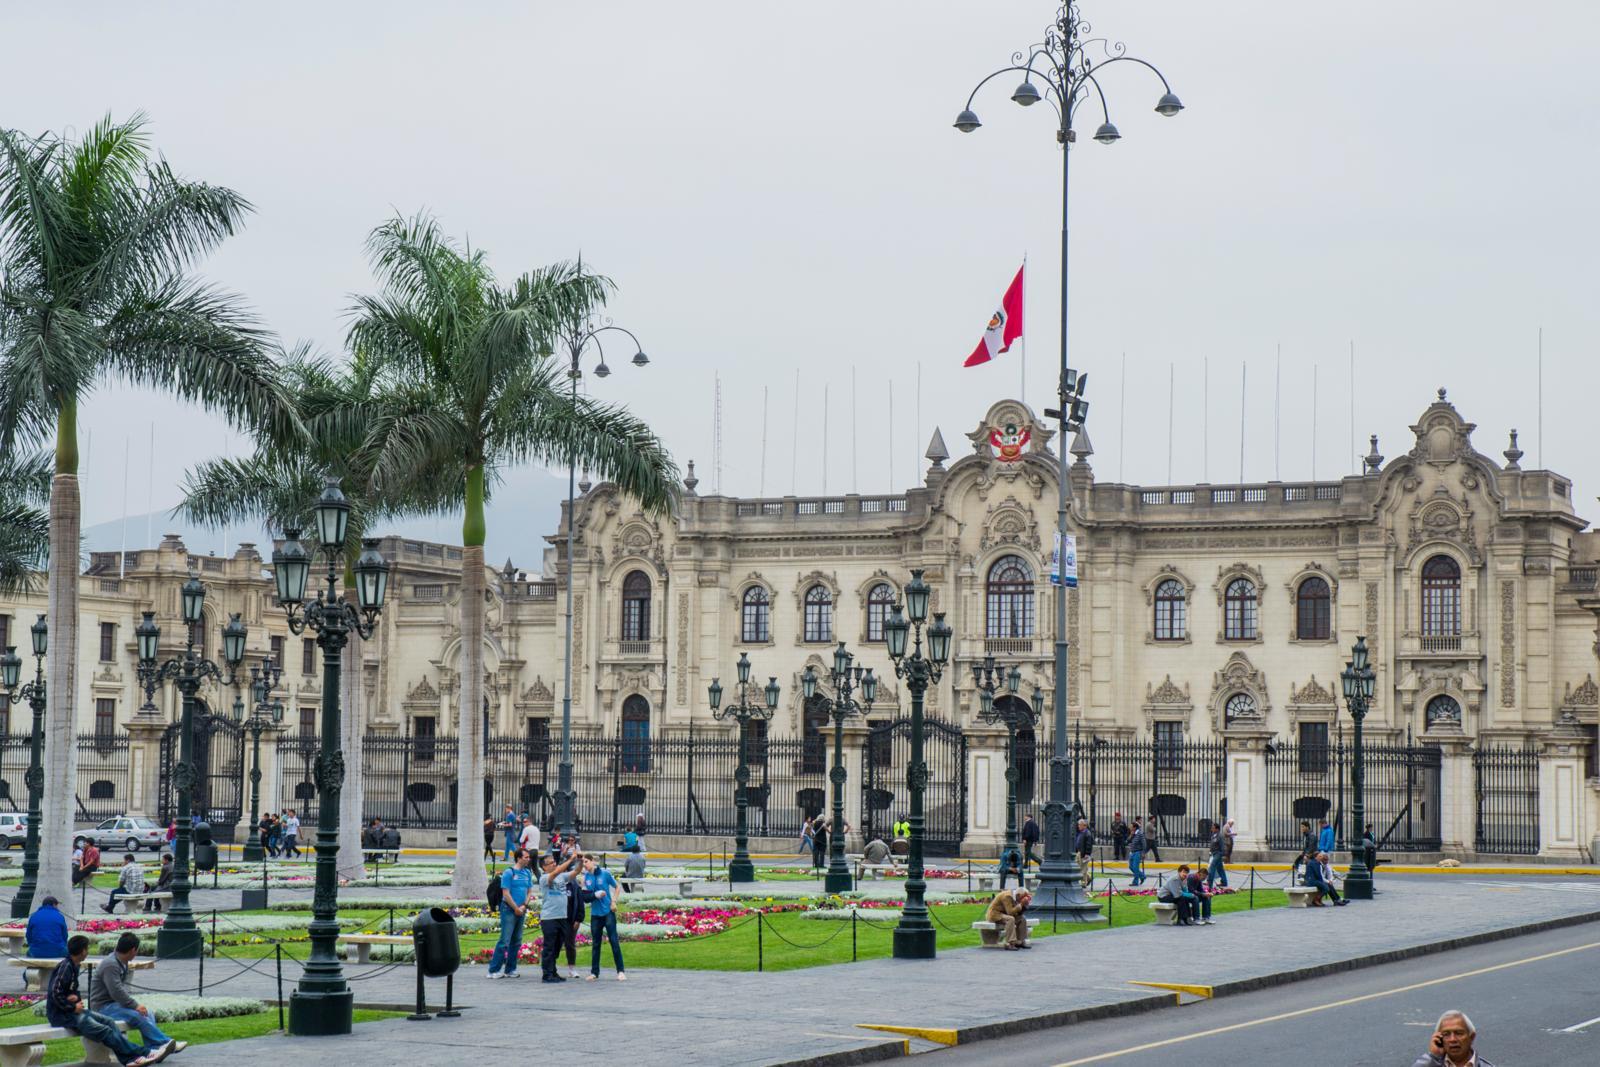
{"x":525,"y":507}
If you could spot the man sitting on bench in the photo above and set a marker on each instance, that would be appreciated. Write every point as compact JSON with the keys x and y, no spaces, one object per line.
{"x":66,"y":1007}
{"x":130,"y":880}
{"x":876,"y":853}
{"x":1175,"y":890}
{"x":1008,"y":910}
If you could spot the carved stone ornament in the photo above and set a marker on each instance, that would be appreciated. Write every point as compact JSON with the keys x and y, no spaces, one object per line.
{"x":1225,"y":575}
{"x":1167,"y":703}
{"x":1312,"y":569}
{"x":1584,"y":694}
{"x":1443,"y":437}
{"x":1166,"y":571}
{"x":806,"y":581}
{"x":1010,"y":523}
{"x":422,"y":693}
{"x":538,"y":693}
{"x":1238,"y":677}
{"x":1313,"y":692}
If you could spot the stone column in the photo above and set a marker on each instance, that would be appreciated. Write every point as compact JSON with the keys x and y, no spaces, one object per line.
{"x":144,"y":764}
{"x":1247,"y":787}
{"x":1563,"y":833}
{"x":986,"y":791}
{"x":1458,"y":811}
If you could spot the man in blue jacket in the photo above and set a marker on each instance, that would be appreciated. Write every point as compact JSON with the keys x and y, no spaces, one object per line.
{"x":516,"y":886}
{"x":1325,"y":838}
{"x":47,"y":931}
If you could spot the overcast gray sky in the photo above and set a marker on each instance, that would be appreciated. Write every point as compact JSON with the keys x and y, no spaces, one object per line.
{"x":779,"y":189}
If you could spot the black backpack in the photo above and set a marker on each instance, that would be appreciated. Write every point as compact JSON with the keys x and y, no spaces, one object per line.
{"x":495,"y":892}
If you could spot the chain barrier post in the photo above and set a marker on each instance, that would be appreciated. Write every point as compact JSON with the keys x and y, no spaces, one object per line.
{"x":1252,"y":888}
{"x":852,"y":935}
{"x":277,"y":950}
{"x":759,"y":961}
{"x":201,"y":989}
{"x":1111,"y":902}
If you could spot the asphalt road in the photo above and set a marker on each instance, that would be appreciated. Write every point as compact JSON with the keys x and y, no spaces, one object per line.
{"x":1528,"y":997}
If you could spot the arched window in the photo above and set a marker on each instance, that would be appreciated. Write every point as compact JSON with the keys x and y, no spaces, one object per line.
{"x":636,"y":607}
{"x":880,"y":598}
{"x":1239,"y":611}
{"x":756,"y":624}
{"x":819,"y":614}
{"x":1171,"y":611}
{"x":1313,"y":610}
{"x":1442,"y":709}
{"x":1009,"y":598}
{"x":635,"y":735}
{"x":1441,"y":597}
{"x":1239,"y":706}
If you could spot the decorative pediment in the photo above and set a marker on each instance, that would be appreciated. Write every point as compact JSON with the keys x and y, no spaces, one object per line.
{"x":538,"y":693}
{"x":1167,"y":703}
{"x":1162,"y":574}
{"x":806,"y":581}
{"x":1312,"y":569}
{"x":737,"y":590}
{"x":1441,"y":517}
{"x":1010,"y":523}
{"x":1313,"y":692}
{"x":423,"y":693}
{"x":1238,"y":694}
{"x":1443,"y":437}
{"x":1166,"y":693}
{"x":1227,"y":574}
{"x":1585,"y":694}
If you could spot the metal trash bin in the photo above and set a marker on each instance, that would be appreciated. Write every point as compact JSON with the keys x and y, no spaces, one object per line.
{"x":437,"y":942}
{"x":205,"y":850}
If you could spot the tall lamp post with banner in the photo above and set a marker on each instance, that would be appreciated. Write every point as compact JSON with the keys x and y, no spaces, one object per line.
{"x":1065,"y":70}
{"x":846,"y":680}
{"x":742,"y":712}
{"x":914,"y":936}
{"x":323,"y":1003}
{"x":34,"y":694}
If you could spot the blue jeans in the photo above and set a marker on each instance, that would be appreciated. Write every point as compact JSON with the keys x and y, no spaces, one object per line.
{"x":511,"y":845}
{"x":509,"y":947}
{"x":1217,"y":873}
{"x":145,"y":1024}
{"x":1136,"y":866}
{"x":97,"y":1027}
{"x":604,"y":924}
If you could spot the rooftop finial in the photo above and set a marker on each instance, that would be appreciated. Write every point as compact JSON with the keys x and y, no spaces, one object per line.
{"x":1513,"y":454}
{"x":689,"y":480}
{"x":937,"y":453}
{"x":1374,"y":459}
{"x":1441,"y":394}
{"x":584,"y":484}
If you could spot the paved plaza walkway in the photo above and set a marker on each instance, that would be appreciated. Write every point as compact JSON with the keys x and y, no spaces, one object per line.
{"x":811,"y":1015}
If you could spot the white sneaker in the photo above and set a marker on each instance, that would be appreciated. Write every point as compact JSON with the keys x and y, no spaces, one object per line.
{"x":621,"y":977}
{"x":493,"y":975}
{"x":571,"y":973}
{"x":1211,"y":922}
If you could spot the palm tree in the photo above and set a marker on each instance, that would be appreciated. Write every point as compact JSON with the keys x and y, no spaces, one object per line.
{"x":24,"y":522}
{"x":279,"y":487}
{"x":96,"y":238}
{"x":470,"y":387}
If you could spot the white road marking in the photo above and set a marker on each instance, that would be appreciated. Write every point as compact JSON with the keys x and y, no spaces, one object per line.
{"x":1580,"y":1026}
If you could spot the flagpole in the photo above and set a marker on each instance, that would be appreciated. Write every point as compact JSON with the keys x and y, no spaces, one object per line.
{"x":794,"y":446}
{"x":1122,"y":418}
{"x":1244,"y":374}
{"x":761,"y":489}
{"x":1314,"y":422}
{"x":824,"y":438}
{"x":1172,"y":391}
{"x":1022,"y":386}
{"x":854,"y":447}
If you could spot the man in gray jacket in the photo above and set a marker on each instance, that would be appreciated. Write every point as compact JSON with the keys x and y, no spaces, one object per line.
{"x":1174,"y":891}
{"x":109,"y":996}
{"x":1451,"y":1045}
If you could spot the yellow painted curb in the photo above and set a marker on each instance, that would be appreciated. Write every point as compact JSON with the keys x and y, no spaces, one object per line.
{"x":938,"y":1035}
{"x":1193,"y":990}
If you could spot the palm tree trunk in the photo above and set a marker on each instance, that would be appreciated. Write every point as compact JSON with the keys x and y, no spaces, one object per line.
{"x":470,"y":880}
{"x":58,"y":812}
{"x":352,"y":727}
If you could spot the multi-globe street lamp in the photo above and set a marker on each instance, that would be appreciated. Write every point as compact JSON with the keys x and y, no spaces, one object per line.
{"x":566,"y":798}
{"x":846,"y":679}
{"x":179,"y":937}
{"x":1014,"y":714}
{"x":1062,"y":63}
{"x":265,"y":712}
{"x":323,"y":1003}
{"x":743,"y":712}
{"x":34,"y":694}
{"x":914,"y":936}
{"x":1359,"y":682}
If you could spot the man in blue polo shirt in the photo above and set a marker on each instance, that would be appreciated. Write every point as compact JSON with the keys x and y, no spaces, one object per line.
{"x":516,"y":886}
{"x":600,"y":890}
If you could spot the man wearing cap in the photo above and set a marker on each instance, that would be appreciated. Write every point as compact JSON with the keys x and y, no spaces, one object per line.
{"x":47,"y":931}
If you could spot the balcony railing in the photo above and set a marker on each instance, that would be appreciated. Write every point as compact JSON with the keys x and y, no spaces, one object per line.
{"x":1008,"y":646}
{"x":634,"y":648}
{"x":1441,"y":642}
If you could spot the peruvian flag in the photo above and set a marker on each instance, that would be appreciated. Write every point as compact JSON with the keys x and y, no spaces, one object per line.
{"x":1004,"y":327}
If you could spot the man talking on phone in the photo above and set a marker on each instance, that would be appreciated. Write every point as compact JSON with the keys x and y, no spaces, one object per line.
{"x":1451,"y":1045}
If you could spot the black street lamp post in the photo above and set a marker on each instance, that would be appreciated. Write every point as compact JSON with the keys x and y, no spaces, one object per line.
{"x":741,"y":869}
{"x":1070,"y":75}
{"x":1359,"y":682}
{"x":34,"y":694}
{"x":179,"y":937}
{"x":566,"y":798}
{"x":846,"y":679}
{"x":914,"y":937}
{"x":322,"y":1003}
{"x":1011,"y":711}
{"x":264,"y":713}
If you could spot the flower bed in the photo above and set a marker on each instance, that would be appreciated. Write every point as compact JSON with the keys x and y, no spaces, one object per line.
{"x":175,"y":1008}
{"x":1219,"y":891}
{"x":877,"y":915}
{"x":647,"y":924}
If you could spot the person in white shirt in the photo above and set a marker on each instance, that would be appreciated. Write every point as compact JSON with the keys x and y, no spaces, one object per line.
{"x":291,"y":832}
{"x":529,"y":838}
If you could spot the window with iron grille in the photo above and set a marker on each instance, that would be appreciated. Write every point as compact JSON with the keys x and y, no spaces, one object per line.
{"x":756,"y":623}
{"x":1441,"y":597}
{"x":1239,"y":611}
{"x":105,"y":719}
{"x":1169,"y":745}
{"x":1009,"y":591}
{"x":635,"y":735}
{"x":1313,"y":748}
{"x":1239,"y":706}
{"x":538,"y":739}
{"x":308,"y":655}
{"x":1313,"y":610}
{"x":108,"y":642}
{"x":308,"y":722}
{"x":880,"y":598}
{"x":276,"y":644}
{"x":1172,"y":605}
{"x":880,"y":744}
{"x":423,"y":731}
{"x":819,"y":614}
{"x":636,"y":607}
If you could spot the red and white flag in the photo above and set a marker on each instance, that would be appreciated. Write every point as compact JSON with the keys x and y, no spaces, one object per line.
{"x":1004,"y":327}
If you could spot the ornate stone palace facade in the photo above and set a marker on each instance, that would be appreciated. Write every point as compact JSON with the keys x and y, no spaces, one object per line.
{"x":1205,"y":613}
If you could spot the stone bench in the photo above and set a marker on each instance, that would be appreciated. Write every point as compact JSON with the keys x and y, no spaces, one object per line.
{"x":364,"y":943}
{"x":37,"y":971}
{"x":684,"y":886}
{"x":130,"y":899}
{"x":877,"y":869}
{"x":380,"y":855}
{"x":1166,"y":914}
{"x":989,"y":933}
{"x":23,"y":1046}
{"x":991,"y":882}
{"x":1302,"y":896}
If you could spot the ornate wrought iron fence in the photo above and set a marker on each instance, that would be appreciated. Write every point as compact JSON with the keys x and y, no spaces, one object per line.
{"x":1507,"y":786}
{"x":885,"y":796}
{"x":297,"y":780}
{"x":1179,"y":788}
{"x":105,"y":782}
{"x":1312,"y":782}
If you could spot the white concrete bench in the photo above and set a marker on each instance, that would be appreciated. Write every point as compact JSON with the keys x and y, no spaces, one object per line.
{"x":130,"y":899}
{"x":364,"y":943}
{"x":23,"y":1046}
{"x":13,"y":939}
{"x":37,"y":971}
{"x":991,"y":882}
{"x":876,"y":869}
{"x":989,"y":933}
{"x":1166,"y":914}
{"x":381,"y":855}
{"x":1302,"y":896}
{"x":684,"y":886}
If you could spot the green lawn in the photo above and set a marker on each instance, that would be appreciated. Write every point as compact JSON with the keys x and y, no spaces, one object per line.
{"x":198,"y":1032}
{"x":786,"y":942}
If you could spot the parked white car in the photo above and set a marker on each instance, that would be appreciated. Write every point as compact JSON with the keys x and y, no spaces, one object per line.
{"x":13,"y":829}
{"x":129,"y":832}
